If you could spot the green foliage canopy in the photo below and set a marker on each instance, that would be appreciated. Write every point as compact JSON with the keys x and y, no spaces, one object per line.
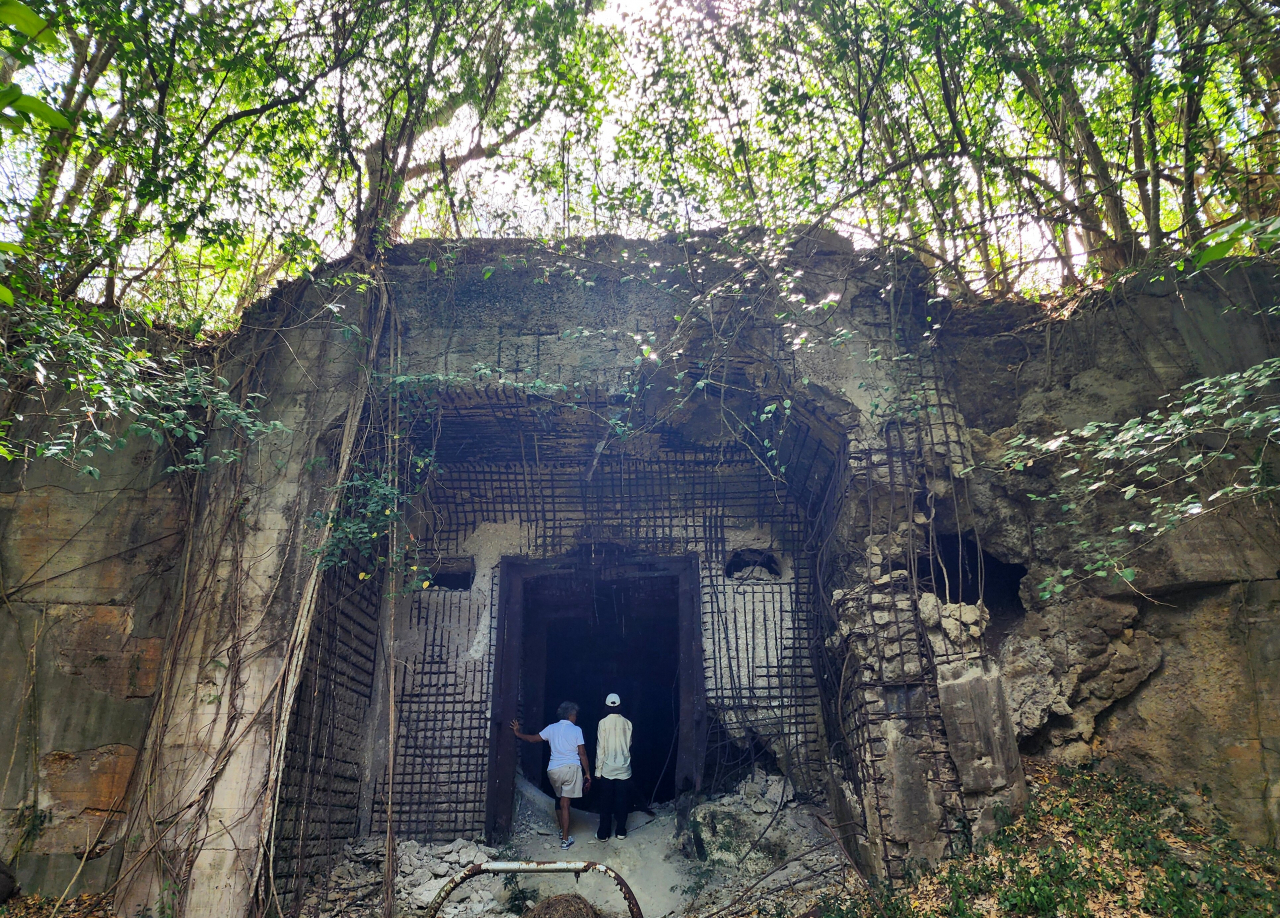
{"x":1011,"y":143}
{"x":167,"y":161}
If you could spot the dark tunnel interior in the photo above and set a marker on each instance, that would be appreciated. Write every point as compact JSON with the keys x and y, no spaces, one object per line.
{"x":586,"y":638}
{"x":962,"y":572}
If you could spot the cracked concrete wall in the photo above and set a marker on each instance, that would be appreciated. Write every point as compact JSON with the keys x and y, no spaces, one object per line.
{"x":210,"y":746}
{"x":920,"y":702}
{"x":326,"y":768}
{"x":753,"y":634}
{"x":589,"y":333}
{"x":929,"y":711}
{"x":873,"y":300}
{"x":88,"y":571}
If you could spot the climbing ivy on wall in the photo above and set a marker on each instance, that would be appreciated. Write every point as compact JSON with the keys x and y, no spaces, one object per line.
{"x":1212,"y":445}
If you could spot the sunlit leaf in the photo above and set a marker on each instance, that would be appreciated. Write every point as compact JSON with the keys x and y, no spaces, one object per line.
{"x":1215,"y":252}
{"x":21,"y":17}
{"x":46,"y":113}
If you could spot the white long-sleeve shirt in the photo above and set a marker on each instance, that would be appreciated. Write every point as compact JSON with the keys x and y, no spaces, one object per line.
{"x":613,"y":748}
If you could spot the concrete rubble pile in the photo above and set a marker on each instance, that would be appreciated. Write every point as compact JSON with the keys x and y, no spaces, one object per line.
{"x":353,"y":889}
{"x":759,"y":840}
{"x":763,"y":793}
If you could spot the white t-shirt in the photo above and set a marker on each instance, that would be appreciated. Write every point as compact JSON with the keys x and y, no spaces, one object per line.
{"x":565,"y":737}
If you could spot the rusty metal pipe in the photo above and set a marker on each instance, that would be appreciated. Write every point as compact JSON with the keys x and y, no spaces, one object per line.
{"x":577,"y":868}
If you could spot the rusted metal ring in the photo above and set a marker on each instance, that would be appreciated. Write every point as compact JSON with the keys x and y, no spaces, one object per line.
{"x":574,"y":867}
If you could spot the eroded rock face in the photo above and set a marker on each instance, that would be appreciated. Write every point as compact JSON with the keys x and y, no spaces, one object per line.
{"x":1210,"y":717}
{"x":1173,"y":674}
{"x":1074,"y":659}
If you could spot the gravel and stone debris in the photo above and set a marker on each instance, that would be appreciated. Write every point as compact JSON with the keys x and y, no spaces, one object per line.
{"x":353,"y":888}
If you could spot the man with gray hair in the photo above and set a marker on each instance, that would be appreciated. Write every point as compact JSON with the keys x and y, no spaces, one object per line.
{"x":568,"y":769}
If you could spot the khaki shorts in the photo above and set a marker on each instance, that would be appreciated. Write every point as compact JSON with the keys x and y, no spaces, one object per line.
{"x":566,"y":780}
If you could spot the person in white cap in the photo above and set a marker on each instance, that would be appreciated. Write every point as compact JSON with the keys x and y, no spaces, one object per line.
{"x":613,"y":768}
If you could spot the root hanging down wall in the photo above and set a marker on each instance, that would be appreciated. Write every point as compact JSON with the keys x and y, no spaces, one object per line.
{"x":919,"y":702}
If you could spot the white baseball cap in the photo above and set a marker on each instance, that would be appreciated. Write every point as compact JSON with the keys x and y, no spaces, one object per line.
{"x":613,"y":700}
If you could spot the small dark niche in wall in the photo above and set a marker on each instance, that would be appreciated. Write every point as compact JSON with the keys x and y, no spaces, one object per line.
{"x":955,"y":570}
{"x":753,"y":564}
{"x":453,"y":574}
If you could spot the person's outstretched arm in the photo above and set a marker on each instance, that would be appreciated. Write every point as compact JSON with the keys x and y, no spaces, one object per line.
{"x":527,"y":737}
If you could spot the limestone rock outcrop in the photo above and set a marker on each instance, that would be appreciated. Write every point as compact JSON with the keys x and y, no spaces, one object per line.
{"x":1074,"y":659}
{"x":1173,"y":673}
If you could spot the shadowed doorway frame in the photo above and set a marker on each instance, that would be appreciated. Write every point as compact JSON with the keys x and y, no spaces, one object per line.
{"x":508,"y":664}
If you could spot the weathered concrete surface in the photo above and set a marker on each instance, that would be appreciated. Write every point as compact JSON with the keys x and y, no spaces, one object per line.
{"x":88,"y":575}
{"x":1172,"y":681}
{"x":982,"y":742}
{"x":1210,"y":716}
{"x":210,"y":745}
{"x":157,"y":694}
{"x":595,"y":320}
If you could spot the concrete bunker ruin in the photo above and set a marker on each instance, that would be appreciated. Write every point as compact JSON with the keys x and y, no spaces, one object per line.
{"x":778,"y":527}
{"x":676,"y":541}
{"x":585,"y":573}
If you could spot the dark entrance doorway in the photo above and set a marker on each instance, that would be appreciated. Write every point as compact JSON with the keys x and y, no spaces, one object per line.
{"x":579,"y":629}
{"x":585,"y":639}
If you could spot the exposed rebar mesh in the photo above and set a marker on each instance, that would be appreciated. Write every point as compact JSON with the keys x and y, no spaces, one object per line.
{"x":320,"y":795}
{"x":443,"y":703}
{"x":888,"y":702}
{"x":757,"y":636}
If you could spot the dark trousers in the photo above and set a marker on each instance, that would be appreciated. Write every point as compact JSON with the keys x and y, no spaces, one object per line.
{"x":615,"y":803}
